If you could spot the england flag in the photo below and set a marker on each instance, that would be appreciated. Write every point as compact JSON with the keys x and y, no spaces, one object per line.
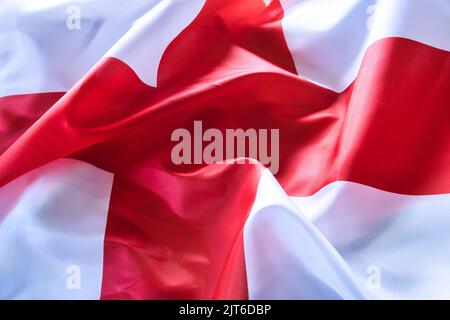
{"x":225,"y":149}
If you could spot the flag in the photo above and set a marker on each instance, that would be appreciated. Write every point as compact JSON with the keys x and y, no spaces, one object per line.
{"x":224,"y":149}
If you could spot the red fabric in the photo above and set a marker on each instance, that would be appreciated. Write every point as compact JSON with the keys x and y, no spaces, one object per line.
{"x":19,"y":112}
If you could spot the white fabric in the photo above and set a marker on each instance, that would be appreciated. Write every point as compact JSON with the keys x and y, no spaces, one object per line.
{"x":286,"y":256}
{"x":52,"y":228}
{"x":328,"y":38}
{"x":144,"y":44}
{"x":347,"y":241}
{"x":42,"y":50}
